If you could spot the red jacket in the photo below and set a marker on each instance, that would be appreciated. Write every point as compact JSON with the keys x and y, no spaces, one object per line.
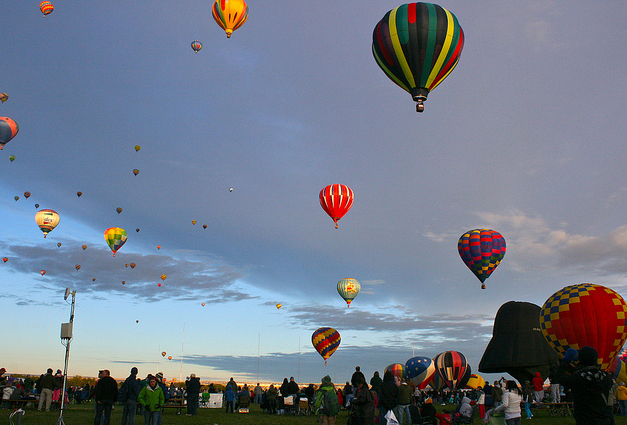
{"x":538,"y":382}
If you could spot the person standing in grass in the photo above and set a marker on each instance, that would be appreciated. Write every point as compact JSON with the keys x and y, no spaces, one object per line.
{"x":151,"y":398}
{"x":621,"y":395}
{"x":106,"y":394}
{"x":511,"y":404}
{"x":229,"y":398}
{"x":327,"y":405}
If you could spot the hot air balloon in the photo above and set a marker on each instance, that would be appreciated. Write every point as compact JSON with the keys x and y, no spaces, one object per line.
{"x":196,"y":46}
{"x":163,"y":353}
{"x":133,"y":265}
{"x":396,"y":369}
{"x":159,"y":285}
{"x":115,"y":237}
{"x":123,"y":282}
{"x":163,"y":277}
{"x":78,"y":267}
{"x":5,"y":259}
{"x":278,"y":306}
{"x":36,"y":205}
{"x":136,"y":321}
{"x":119,"y":210}
{"x":137,"y":148}
{"x":26,"y":195}
{"x":84,"y":247}
{"x":47,"y":220}
{"x":158,"y":246}
{"x":135,"y":172}
{"x":204,"y":226}
{"x":93,"y":279}
{"x":336,"y":200}
{"x":46,"y":7}
{"x":59,"y":244}
{"x":482,"y":251}
{"x":326,"y":341}
{"x":137,"y":230}
{"x":126,"y":265}
{"x":43,"y":272}
{"x":79,"y":194}
{"x":348,"y":288}
{"x":202,"y":304}
{"x":194,"y":222}
{"x":453,"y":368}
{"x":417,"y":45}
{"x":475,"y":382}
{"x":230,"y":14}
{"x":585,"y":314}
{"x":8,"y":130}
{"x":230,"y":189}
{"x":169,"y":357}
{"x":17,"y":198}
{"x":420,"y":371}
{"x":11,"y":158}
{"x":4,"y":97}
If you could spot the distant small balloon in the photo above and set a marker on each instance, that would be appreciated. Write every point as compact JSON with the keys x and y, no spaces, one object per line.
{"x":231,"y":189}
{"x":137,"y":230}
{"x":78,"y":266}
{"x":119,"y":210}
{"x":46,"y":7}
{"x":59,"y":244}
{"x":136,"y":321}
{"x":12,"y":158}
{"x":123,"y":282}
{"x":159,"y":285}
{"x":5,"y":259}
{"x":133,"y":265}
{"x":202,"y":304}
{"x":163,"y":277}
{"x":36,"y":205}
{"x":16,"y":197}
{"x":135,"y":171}
{"x":3,"y":97}
{"x":27,"y":195}
{"x":43,"y":272}
{"x":93,"y":279}
{"x":169,"y":357}
{"x":163,"y":353}
{"x":278,"y":306}
{"x":84,"y":247}
{"x":196,"y":46}
{"x":79,"y":194}
{"x":126,"y":265}
{"x":158,"y":246}
{"x":194,"y":222}
{"x":204,"y":226}
{"x":137,"y":148}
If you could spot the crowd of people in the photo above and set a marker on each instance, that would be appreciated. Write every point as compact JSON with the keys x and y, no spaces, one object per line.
{"x":592,"y":391}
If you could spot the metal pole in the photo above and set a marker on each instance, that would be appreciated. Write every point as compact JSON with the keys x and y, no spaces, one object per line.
{"x":67,"y":359}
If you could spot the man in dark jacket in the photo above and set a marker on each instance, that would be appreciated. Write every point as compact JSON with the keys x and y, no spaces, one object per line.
{"x":46,"y":383}
{"x":590,"y":387}
{"x":192,"y":386}
{"x":388,"y":396}
{"x":131,"y":394}
{"x":106,"y":394}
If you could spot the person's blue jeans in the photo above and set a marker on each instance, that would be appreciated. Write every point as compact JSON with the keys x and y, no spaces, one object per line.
{"x":402,"y":410}
{"x":128,"y":412}
{"x":513,"y":421}
{"x":103,"y":406}
{"x":152,"y":418}
{"x":622,"y":405}
{"x":528,"y":409}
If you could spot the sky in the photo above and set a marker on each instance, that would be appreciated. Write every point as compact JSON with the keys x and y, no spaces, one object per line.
{"x":526,"y":136}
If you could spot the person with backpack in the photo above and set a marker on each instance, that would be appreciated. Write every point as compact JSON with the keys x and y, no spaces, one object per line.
{"x":128,"y":395}
{"x":327,"y":405}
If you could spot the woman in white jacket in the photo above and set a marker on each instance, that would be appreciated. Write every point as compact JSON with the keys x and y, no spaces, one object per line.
{"x":511,"y":404}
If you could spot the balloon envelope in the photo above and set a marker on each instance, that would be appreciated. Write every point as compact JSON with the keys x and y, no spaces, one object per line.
{"x":196,"y":46}
{"x":452,"y":367}
{"x":585,"y":314}
{"x":417,"y":45}
{"x":348,"y":288}
{"x":475,"y":382}
{"x":137,"y":148}
{"x":47,"y":220}
{"x":230,"y":14}
{"x":326,"y":341}
{"x":8,"y":130}
{"x":11,"y":158}
{"x":397,"y":369}
{"x":336,"y":200}
{"x":482,"y":251}
{"x":115,"y":237}
{"x":420,"y":371}
{"x":3,"y":97}
{"x":46,"y":7}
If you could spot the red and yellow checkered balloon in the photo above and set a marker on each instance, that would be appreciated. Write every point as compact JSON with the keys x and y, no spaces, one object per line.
{"x":585,"y":314}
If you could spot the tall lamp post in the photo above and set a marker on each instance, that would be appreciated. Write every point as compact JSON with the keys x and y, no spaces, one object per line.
{"x":66,"y":338}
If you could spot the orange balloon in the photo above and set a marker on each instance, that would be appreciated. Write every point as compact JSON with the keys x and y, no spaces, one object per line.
{"x":159,"y":285}
{"x":202,"y":304}
{"x":43,"y":272}
{"x":123,"y":282}
{"x":5,"y":259}
{"x":133,"y":265}
{"x":163,"y":277}
{"x":169,"y":357}
{"x":158,"y":246}
{"x":84,"y":247}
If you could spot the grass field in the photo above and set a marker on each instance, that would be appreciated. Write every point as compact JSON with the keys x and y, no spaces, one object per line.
{"x":84,"y":415}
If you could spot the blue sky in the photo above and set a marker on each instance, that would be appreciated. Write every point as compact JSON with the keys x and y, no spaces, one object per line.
{"x":526,"y":136}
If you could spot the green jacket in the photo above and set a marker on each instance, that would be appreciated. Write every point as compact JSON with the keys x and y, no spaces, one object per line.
{"x":150,"y":398}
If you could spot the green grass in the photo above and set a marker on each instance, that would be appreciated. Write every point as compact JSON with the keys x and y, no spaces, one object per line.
{"x":84,"y":415}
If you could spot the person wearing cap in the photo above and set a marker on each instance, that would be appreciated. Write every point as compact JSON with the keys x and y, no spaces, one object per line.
{"x":590,"y":386}
{"x":192,"y":386}
{"x":106,"y":394}
{"x":152,"y":399}
{"x":131,"y":394}
{"x":326,"y":404}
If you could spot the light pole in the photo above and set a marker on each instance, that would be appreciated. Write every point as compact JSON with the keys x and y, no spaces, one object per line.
{"x":66,"y":338}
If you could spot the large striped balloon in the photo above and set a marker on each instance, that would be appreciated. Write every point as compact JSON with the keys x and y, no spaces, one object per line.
{"x":417,"y":45}
{"x":336,"y":200}
{"x":115,"y":237}
{"x":586,"y":314}
{"x":46,"y":7}
{"x":326,"y":341}
{"x":453,"y":368}
{"x":419,"y":370}
{"x":482,"y":251}
{"x":396,"y":369}
{"x":230,"y":14}
{"x":8,"y":130}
